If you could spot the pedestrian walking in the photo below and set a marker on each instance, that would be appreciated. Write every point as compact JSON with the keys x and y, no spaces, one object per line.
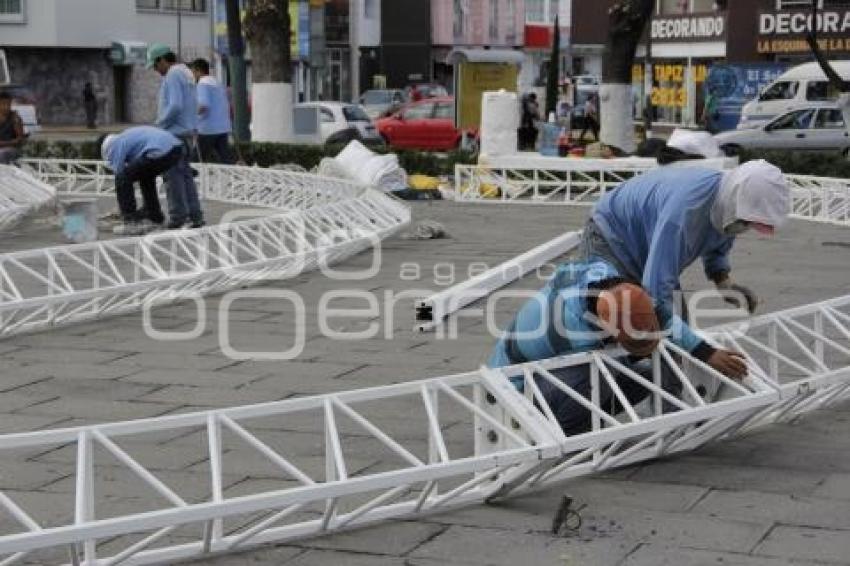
{"x":177,"y":114}
{"x":214,"y":125}
{"x":12,"y":135}
{"x":530,"y":116}
{"x":139,"y":155}
{"x":90,"y":105}
{"x":591,"y":117}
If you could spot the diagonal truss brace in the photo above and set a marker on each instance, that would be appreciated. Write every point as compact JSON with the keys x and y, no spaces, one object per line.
{"x":455,"y":440}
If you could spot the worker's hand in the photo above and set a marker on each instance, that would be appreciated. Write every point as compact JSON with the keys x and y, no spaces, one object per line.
{"x":729,"y":363}
{"x":734,"y":292}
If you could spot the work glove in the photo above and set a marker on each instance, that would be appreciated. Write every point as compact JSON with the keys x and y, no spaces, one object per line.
{"x":734,"y":292}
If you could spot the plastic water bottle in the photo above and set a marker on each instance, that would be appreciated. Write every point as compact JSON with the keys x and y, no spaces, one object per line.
{"x":549,"y":139}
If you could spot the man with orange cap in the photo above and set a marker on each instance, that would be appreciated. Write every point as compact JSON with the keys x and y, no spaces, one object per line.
{"x":584,"y":306}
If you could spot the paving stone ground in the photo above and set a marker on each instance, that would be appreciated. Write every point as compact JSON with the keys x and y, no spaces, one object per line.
{"x":777,"y":497}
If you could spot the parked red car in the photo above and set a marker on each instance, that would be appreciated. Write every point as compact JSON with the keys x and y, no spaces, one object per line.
{"x":427,"y":124}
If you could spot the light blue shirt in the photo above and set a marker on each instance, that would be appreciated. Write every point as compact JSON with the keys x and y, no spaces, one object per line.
{"x":177,"y":103}
{"x":657,"y":224}
{"x":136,"y":142}
{"x":213,"y":108}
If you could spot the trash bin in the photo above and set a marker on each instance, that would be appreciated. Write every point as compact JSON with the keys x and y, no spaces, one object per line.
{"x":79,"y":220}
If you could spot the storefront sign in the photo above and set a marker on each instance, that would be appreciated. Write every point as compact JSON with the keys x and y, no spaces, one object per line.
{"x":670,"y":85}
{"x":785,"y":32}
{"x":735,"y":85}
{"x":690,"y":28}
{"x":474,"y":79}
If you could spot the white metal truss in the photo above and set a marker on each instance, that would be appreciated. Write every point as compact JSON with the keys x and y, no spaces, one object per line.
{"x":444,"y":442}
{"x":20,"y":194}
{"x":431,"y":311}
{"x":305,"y":221}
{"x":575,"y":182}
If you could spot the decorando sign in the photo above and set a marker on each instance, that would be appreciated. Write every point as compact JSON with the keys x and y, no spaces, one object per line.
{"x":689,"y":28}
{"x":787,"y":23}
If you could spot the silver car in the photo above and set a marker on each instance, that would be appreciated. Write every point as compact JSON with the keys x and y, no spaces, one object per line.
{"x":814,"y":128}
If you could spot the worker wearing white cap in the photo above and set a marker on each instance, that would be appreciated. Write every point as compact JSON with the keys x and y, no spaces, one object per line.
{"x":655,"y":225}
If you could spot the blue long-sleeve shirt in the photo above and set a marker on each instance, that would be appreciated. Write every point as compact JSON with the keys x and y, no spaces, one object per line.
{"x":214,"y":108}
{"x":657,"y":224}
{"x":137,"y":142}
{"x":177,"y":111}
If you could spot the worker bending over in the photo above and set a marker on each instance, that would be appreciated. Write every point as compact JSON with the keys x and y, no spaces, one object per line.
{"x":655,"y":225}
{"x":585,"y":306}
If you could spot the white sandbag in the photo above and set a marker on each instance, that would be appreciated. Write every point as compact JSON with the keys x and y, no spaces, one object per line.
{"x":499,"y":123}
{"x":368,"y":168}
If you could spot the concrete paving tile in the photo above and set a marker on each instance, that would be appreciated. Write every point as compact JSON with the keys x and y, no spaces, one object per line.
{"x":189,"y":377}
{"x":33,"y":371}
{"x":492,"y":546}
{"x":326,"y":557}
{"x":18,"y":422}
{"x":148,"y":360}
{"x":729,"y":476}
{"x":821,"y":545}
{"x":211,"y":396}
{"x":835,"y":486}
{"x":274,"y":556}
{"x":394,"y":539}
{"x":659,"y":555}
{"x":97,"y":411}
{"x":63,"y":356}
{"x":95,"y":389}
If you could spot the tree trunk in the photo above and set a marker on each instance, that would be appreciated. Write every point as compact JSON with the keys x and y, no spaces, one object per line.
{"x":554,"y":72}
{"x":627,"y":20}
{"x":267,"y":30}
{"x":236,"y":62}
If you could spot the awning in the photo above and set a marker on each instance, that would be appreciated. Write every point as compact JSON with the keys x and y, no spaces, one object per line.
{"x":485,"y":56}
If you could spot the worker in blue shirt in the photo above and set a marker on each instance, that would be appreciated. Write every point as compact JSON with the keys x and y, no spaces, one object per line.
{"x":139,"y":155}
{"x":585,"y":306}
{"x":177,"y":113}
{"x":655,"y":225}
{"x":213,"y":116}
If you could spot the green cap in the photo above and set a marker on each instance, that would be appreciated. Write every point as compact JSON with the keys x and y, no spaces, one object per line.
{"x":155,"y":51}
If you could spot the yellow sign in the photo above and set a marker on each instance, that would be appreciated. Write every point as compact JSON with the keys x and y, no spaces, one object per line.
{"x":474,"y":80}
{"x":800,"y":45}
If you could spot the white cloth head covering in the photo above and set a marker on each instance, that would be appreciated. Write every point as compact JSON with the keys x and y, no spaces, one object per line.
{"x":755,"y":191}
{"x":107,"y":146}
{"x":695,"y":143}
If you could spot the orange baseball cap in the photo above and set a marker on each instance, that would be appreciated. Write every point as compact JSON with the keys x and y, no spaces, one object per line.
{"x":627,"y":312}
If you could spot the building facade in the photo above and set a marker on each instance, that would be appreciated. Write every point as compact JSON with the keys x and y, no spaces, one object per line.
{"x":490,"y":24}
{"x":538,"y":36}
{"x":54,"y":47}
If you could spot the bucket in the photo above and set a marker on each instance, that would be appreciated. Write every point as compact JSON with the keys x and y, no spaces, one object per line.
{"x":79,"y":220}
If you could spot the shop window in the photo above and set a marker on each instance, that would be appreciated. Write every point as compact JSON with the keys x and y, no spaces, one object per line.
{"x":674,"y":6}
{"x":798,"y":120}
{"x":702,"y":6}
{"x":197,"y":6}
{"x":784,"y":90}
{"x":459,"y":18}
{"x":510,"y":21}
{"x":829,"y":119}
{"x":369,"y":9}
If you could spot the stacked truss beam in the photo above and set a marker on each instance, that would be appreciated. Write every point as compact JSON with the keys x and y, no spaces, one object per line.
{"x":20,"y":194}
{"x":305,"y":221}
{"x":574,"y":182}
{"x":455,"y":440}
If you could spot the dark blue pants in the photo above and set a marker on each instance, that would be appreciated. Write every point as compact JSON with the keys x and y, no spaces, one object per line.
{"x":214,"y":149}
{"x":183,"y":202}
{"x":144,"y":171}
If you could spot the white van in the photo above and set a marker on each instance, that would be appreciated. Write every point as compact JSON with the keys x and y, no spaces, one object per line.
{"x":805,"y":85}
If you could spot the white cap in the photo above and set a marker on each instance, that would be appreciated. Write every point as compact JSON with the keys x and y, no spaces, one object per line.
{"x":755,"y":191}
{"x":695,"y":143}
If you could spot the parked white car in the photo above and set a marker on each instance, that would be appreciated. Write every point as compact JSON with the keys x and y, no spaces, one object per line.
{"x":341,"y":122}
{"x":803,"y":86}
{"x":816,"y":128}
